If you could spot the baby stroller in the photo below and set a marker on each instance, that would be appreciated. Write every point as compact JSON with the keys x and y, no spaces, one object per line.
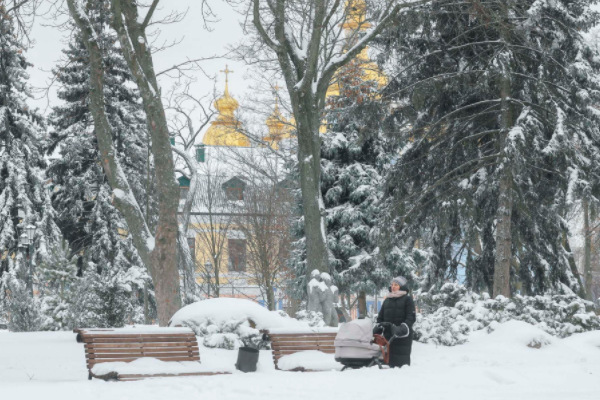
{"x":356,"y":346}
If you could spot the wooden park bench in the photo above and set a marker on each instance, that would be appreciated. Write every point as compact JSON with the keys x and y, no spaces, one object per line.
{"x":126,"y":345}
{"x":284,"y":344}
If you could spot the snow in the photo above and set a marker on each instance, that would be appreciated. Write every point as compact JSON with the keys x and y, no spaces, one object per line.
{"x":310,"y":359}
{"x":315,"y":283}
{"x":150,"y":243}
{"x":224,"y":309}
{"x":499,"y":365}
{"x":155,"y":366}
{"x":139,"y":330}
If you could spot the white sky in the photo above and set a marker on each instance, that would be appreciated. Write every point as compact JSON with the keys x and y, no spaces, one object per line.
{"x":197,"y":42}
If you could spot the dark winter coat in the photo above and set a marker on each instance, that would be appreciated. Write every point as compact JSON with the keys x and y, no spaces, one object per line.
{"x":397,"y":311}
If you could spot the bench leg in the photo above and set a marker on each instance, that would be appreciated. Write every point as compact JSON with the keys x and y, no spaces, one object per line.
{"x":89,"y":376}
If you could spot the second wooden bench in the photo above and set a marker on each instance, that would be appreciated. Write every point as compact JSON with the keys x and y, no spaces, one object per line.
{"x":287,"y":343}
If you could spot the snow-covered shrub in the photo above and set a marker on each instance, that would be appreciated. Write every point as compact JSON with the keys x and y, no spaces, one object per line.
{"x":230,"y":334}
{"x":450,"y":314}
{"x":312,"y":318}
{"x":231,"y":323}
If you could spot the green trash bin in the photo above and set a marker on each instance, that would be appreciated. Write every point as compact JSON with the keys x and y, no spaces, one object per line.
{"x":247,"y":359}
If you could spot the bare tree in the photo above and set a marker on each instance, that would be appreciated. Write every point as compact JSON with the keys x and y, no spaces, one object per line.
{"x":211,"y":221}
{"x":190,"y":115}
{"x":265,"y":222}
{"x":23,"y":12}
{"x":158,"y":251}
{"x":311,"y":43}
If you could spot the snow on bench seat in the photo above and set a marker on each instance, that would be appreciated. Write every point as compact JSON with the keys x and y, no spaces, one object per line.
{"x":309,"y":360}
{"x":286,"y":342}
{"x":153,"y":367}
{"x":146,"y":349}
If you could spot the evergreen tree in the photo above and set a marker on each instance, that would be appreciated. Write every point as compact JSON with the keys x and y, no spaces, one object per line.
{"x":353,"y":158}
{"x":58,"y":274}
{"x":496,"y":103}
{"x":23,"y":192}
{"x":82,"y":197}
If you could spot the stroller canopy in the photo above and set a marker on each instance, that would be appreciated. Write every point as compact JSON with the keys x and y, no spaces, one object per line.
{"x":356,"y":333}
{"x":353,"y":344}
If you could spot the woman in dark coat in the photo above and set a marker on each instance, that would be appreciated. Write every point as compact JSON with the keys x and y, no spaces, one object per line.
{"x":399,"y":309}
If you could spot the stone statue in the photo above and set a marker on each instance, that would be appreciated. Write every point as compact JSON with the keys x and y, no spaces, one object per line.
{"x":322,"y":296}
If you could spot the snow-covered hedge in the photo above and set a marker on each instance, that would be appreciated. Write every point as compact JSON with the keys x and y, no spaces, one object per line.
{"x":231,"y":323}
{"x":314,"y":319}
{"x":450,"y":314}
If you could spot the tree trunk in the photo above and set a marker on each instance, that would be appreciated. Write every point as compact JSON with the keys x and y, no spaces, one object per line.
{"x":270,"y":297}
{"x":158,"y":252}
{"x":587,"y":264}
{"x":573,"y":264}
{"x":146,"y":313}
{"x":132,"y":37}
{"x":504,"y":213}
{"x":362,"y":304}
{"x":345,"y":307}
{"x":313,"y":208}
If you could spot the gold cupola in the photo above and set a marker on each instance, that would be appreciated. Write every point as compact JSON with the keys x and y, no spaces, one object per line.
{"x":356,"y":22}
{"x":225,"y":130}
{"x":279,"y":126}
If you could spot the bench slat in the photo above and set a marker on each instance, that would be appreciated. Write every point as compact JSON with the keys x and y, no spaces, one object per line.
{"x":135,"y":335}
{"x":97,"y":339}
{"x":304,"y":339}
{"x":295,"y":335}
{"x":92,"y":362}
{"x":95,"y":345}
{"x":143,"y":350}
{"x":92,"y":356}
{"x":302,"y":348}
{"x":288,"y":352}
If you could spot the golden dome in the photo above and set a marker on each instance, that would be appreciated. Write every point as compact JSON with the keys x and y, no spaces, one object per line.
{"x":225,"y":130}
{"x":226,"y":104}
{"x":361,"y":66}
{"x":279,"y":128}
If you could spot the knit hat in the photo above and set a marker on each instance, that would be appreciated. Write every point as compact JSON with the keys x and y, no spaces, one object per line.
{"x":400,"y":280}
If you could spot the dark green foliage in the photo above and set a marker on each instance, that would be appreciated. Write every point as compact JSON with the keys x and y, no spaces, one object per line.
{"x":455,"y":147}
{"x":95,"y":230}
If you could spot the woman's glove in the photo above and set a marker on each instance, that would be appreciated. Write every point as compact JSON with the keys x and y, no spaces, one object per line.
{"x":401,"y":331}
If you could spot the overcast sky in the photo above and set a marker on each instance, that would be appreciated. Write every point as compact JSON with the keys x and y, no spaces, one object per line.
{"x":197,"y":42}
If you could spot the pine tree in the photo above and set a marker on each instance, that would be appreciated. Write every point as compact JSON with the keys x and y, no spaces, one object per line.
{"x":23,"y":192}
{"x":82,"y":197}
{"x":497,"y":100}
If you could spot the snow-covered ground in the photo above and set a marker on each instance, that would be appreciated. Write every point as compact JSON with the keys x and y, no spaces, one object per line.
{"x":51,"y":365}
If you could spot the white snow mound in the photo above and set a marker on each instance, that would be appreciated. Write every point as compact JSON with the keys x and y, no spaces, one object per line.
{"x":309,"y":359}
{"x":222,"y":310}
{"x":514,"y":333}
